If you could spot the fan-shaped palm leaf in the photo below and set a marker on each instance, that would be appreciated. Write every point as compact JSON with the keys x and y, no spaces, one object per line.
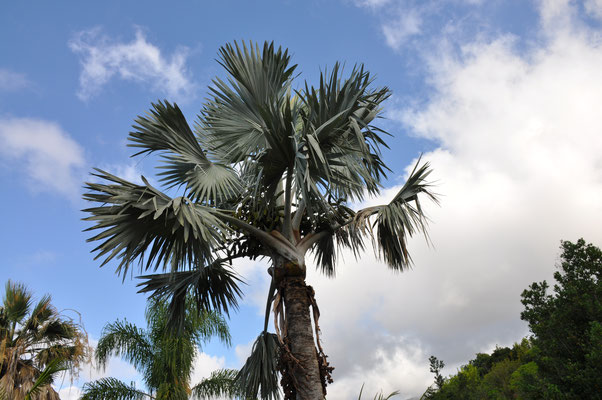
{"x":400,"y":219}
{"x":165,"y":130}
{"x":213,"y":287}
{"x":138,"y":221}
{"x":341,"y":149}
{"x":245,"y":116}
{"x":259,"y":377}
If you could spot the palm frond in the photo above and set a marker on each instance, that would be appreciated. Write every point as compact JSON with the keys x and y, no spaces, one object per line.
{"x":165,"y":130}
{"x":137,"y":221}
{"x":259,"y":377}
{"x":210,"y":324}
{"x":199,"y":326}
{"x":46,"y":377}
{"x":41,"y":313}
{"x":171,"y":391}
{"x":219,"y":384}
{"x":112,"y":389}
{"x":340,"y":152}
{"x":213,"y":287}
{"x":251,"y":118}
{"x":400,"y":219}
{"x":327,"y":249}
{"x":16,"y":302}
{"x":248,"y":114}
{"x":124,"y":339}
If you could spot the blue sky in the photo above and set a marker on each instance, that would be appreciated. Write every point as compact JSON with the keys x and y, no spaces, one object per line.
{"x":502,"y":97}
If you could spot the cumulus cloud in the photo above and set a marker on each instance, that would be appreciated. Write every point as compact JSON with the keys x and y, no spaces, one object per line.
{"x":11,"y":81}
{"x":140,"y":61}
{"x":204,"y":365}
{"x":70,"y":393}
{"x":518,"y":137}
{"x":43,"y":153}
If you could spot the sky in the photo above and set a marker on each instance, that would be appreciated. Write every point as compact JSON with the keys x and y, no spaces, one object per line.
{"x":503,"y":98}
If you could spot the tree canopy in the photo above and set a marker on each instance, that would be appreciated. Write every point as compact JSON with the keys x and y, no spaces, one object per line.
{"x":163,"y":358}
{"x":36,"y":341}
{"x":270,"y":170}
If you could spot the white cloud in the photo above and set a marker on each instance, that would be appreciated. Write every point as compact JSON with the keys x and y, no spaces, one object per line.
{"x":48,"y":156}
{"x":371,"y":3}
{"x":519,"y":139}
{"x":139,"y":61}
{"x":204,"y":365}
{"x":399,"y":366}
{"x":70,"y":393}
{"x":398,"y":31}
{"x":12,"y":81}
{"x":594,"y":8}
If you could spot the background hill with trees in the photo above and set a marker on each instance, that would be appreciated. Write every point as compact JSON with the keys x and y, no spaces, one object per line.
{"x":562,"y":359}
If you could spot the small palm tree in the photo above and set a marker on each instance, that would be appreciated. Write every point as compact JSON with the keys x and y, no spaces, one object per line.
{"x":268,"y":172}
{"x":36,"y":342}
{"x":163,"y":357}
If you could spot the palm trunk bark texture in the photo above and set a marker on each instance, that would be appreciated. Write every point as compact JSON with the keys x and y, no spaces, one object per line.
{"x":304,"y":366}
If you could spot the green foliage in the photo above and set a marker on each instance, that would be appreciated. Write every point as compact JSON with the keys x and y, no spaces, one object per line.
{"x":36,"y":343}
{"x":219,"y":384}
{"x":526,"y":382}
{"x":436,"y":366}
{"x":163,"y":357}
{"x":566,"y":324}
{"x":259,"y":374}
{"x":112,"y":389}
{"x":46,"y":378}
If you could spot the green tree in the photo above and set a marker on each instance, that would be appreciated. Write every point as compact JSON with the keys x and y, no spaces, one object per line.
{"x":164,"y":358}
{"x":267,"y":172}
{"x":566,"y":324}
{"x":36,"y":341}
{"x":527,"y":383}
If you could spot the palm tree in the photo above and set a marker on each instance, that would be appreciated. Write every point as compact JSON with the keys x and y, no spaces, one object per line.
{"x":163,"y":357}
{"x":267,"y":172}
{"x":35,"y":343}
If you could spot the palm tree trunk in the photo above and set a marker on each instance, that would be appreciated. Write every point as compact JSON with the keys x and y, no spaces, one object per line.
{"x":303,"y":367}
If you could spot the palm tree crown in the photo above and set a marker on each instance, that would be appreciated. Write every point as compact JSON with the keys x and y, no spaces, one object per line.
{"x":268,"y":171}
{"x":33,"y":339}
{"x":163,"y":357}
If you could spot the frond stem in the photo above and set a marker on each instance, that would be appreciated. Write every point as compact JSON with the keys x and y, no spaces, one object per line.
{"x":287,"y":228}
{"x":283,"y":248}
{"x":298,"y":216}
